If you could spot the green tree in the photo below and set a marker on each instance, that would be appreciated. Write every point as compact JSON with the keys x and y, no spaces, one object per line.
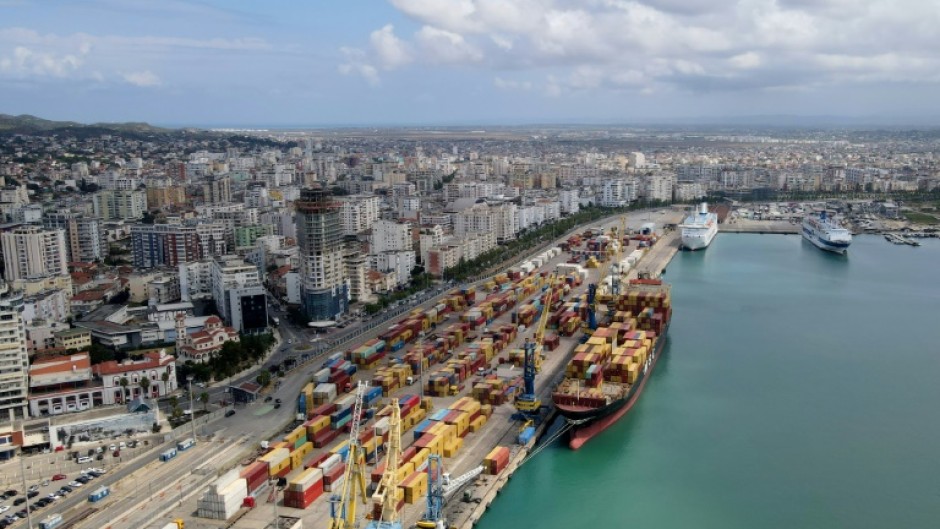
{"x":144,"y":385}
{"x":124,"y":383}
{"x":204,"y":399}
{"x":166,"y":379}
{"x":264,"y":378}
{"x":174,"y":401}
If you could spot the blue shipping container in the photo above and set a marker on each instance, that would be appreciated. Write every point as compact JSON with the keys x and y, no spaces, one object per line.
{"x":302,"y":404}
{"x":99,"y":494}
{"x":439,"y":415}
{"x":526,"y":435}
{"x":344,"y":452}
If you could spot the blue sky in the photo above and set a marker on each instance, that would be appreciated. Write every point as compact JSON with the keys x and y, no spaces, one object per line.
{"x":334,"y":62}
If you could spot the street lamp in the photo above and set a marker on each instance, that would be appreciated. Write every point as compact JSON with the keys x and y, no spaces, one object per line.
{"x":29,"y":517}
{"x":192,"y":410}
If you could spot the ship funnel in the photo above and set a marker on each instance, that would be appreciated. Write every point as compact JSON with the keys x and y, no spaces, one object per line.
{"x":703,"y":209}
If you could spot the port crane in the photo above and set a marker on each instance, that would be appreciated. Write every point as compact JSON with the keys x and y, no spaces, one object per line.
{"x":594,"y":297}
{"x":528,"y":403}
{"x":343,"y":505}
{"x":385,"y":498}
{"x":440,"y":486}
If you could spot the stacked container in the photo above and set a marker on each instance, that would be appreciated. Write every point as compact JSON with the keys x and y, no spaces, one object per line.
{"x":255,"y":475}
{"x":278,"y":461}
{"x":222,"y":500}
{"x":304,"y":489}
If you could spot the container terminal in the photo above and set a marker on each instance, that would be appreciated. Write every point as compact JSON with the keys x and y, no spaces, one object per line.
{"x":448,"y":379}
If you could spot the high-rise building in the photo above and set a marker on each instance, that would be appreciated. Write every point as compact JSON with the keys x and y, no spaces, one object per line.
{"x":85,"y":237}
{"x":388,"y":236}
{"x":165,"y":194}
{"x":31,"y":251}
{"x":121,"y":204}
{"x":217,"y":190}
{"x":239,"y":295}
{"x":164,"y":245}
{"x":324,"y":290}
{"x":14,"y":359}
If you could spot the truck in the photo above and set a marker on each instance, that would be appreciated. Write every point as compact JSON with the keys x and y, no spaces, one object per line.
{"x":50,"y":522}
{"x":185,"y":444}
{"x":99,"y":494}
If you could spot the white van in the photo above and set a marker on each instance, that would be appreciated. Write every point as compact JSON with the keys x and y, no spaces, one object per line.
{"x":84,"y":459}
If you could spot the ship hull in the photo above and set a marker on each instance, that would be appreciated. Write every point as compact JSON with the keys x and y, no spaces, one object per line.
{"x":596,"y":420}
{"x":839,"y":247}
{"x":698,"y":239}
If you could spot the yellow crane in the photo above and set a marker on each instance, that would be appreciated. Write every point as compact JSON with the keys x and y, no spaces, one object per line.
{"x":343,"y":505}
{"x":528,"y":402}
{"x":386,"y":494}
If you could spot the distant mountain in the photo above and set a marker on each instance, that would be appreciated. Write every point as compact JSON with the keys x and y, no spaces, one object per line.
{"x":26,"y":124}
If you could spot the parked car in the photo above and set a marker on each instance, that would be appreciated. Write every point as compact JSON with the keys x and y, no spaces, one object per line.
{"x":229,"y":413}
{"x":58,"y":477}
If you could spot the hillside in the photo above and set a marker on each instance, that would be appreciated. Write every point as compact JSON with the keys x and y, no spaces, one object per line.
{"x":27,"y":124}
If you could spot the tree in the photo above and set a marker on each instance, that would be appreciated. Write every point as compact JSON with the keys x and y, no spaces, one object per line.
{"x":156,"y":428}
{"x":174,"y":401}
{"x":166,"y":379}
{"x":204,"y":399}
{"x":124,"y":383}
{"x":264,"y":378}
{"x":144,"y":385}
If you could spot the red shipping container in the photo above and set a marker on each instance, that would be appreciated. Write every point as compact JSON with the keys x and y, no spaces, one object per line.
{"x":334,"y":473}
{"x":424,"y":441}
{"x":408,"y":454}
{"x":325,"y":437}
{"x":325,"y":409}
{"x":284,"y":472}
{"x":366,"y":435}
{"x":317,"y":460}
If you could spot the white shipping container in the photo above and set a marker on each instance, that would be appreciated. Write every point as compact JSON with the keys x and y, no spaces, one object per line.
{"x":325,"y":392}
{"x":306,"y":479}
{"x":381,"y":426}
{"x":225,"y":479}
{"x":345,"y":402}
{"x":322,"y":375}
{"x":337,"y":485}
{"x":330,"y":462}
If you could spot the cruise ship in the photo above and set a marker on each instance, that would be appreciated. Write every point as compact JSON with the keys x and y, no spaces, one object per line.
{"x":826,"y":233}
{"x":699,"y":229}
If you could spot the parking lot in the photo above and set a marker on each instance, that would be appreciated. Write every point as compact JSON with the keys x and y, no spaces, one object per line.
{"x":41,"y":497}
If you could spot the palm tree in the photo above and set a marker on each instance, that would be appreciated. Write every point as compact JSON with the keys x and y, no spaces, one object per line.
{"x":204,"y":399}
{"x":124,"y":383}
{"x":144,"y":385}
{"x":166,"y":379}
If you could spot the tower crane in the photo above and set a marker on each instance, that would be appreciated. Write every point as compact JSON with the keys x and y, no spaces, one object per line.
{"x":386,"y":494}
{"x":343,"y":505}
{"x":440,"y":486}
{"x":528,"y":403}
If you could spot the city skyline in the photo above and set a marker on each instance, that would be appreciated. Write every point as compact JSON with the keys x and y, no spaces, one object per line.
{"x":410,"y":62}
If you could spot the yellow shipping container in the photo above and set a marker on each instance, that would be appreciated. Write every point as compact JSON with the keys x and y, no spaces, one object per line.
{"x":477,"y":424}
{"x":421,"y":457}
{"x":296,"y":460}
{"x":415,"y":487}
{"x":405,"y":470}
{"x":339,"y":447}
{"x":318,"y":424}
{"x":276,"y":469}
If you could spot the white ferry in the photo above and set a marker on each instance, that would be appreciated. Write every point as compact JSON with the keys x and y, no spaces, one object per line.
{"x":699,"y":229}
{"x":826,"y":233}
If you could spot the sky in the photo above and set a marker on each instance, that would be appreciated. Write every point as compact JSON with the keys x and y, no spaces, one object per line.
{"x":463,"y":62}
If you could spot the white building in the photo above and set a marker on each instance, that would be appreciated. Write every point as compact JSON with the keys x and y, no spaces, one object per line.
{"x":239,"y":296}
{"x":429,"y":237}
{"x":615,"y":193}
{"x":30,"y":251}
{"x":570,"y":201}
{"x":390,"y":236}
{"x":195,"y":280}
{"x":120,"y":204}
{"x":399,"y":262}
{"x":14,"y":358}
{"x":657,"y":187}
{"x":685,"y":191}
{"x":358,"y":213}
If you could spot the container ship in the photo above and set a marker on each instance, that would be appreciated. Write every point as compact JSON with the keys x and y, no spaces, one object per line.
{"x":699,"y":229}
{"x":606,"y":375}
{"x":826,"y":233}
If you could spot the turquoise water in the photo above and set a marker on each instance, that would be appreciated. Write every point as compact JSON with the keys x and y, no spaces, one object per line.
{"x":798,"y":389}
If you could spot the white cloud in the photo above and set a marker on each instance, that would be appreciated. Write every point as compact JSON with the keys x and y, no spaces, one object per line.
{"x":444,"y":46}
{"x":26,"y":62}
{"x":391,"y":51}
{"x":746,"y":61}
{"x":357,"y":64}
{"x":589,"y":44}
{"x":145,"y":78}
{"x":509,"y":84}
